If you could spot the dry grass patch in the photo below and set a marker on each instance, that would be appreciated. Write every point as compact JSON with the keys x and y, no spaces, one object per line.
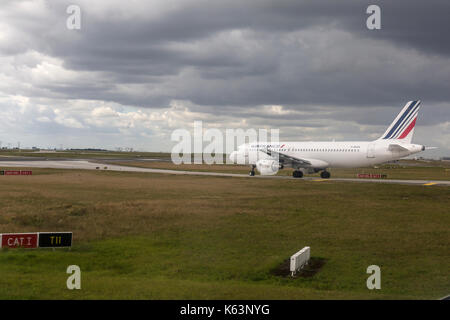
{"x":407,"y":169}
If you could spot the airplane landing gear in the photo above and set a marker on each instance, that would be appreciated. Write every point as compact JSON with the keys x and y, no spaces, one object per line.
{"x":297,"y":174}
{"x":325,"y":174}
{"x":252,"y":172}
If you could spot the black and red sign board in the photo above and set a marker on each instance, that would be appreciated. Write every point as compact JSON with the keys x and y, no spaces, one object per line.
{"x":36,"y":240}
{"x":55,"y":239}
{"x":16,"y":173}
{"x":19,"y":240}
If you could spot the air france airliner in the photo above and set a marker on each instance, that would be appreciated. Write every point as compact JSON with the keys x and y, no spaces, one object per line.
{"x":313,"y":157}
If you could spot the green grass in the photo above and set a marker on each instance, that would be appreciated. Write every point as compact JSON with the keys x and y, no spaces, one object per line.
{"x":156,"y":273}
{"x":149,"y":236}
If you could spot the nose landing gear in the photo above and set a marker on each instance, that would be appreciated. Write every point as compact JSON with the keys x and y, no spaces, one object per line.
{"x":252,"y":172}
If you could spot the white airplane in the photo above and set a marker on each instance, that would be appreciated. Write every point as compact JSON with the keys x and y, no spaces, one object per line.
{"x":312,"y":157}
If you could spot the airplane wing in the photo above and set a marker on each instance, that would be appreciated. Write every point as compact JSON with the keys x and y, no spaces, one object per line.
{"x":396,"y":147}
{"x":287,"y":160}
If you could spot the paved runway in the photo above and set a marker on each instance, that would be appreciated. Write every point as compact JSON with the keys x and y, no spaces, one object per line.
{"x":88,"y":165}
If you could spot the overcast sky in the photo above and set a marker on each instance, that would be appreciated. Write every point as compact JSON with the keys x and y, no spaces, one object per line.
{"x":137,"y":70}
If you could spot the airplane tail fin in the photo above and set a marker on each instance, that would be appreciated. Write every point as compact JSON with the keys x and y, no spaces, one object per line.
{"x":402,"y":128}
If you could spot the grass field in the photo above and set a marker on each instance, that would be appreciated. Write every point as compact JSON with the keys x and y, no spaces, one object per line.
{"x":153,"y":236}
{"x":408,"y":169}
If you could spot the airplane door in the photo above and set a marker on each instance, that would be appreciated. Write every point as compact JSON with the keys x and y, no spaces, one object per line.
{"x":371,"y":150}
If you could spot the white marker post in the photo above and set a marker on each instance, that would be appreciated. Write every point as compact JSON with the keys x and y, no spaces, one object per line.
{"x":299,"y":260}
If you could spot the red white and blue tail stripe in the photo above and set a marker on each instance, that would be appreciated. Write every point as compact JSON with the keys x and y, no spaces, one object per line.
{"x":403,"y":126}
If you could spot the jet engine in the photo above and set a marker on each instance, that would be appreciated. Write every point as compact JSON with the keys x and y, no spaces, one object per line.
{"x":267,"y":167}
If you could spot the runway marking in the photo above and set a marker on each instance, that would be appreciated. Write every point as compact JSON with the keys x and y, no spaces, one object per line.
{"x":430,"y":184}
{"x":318,"y":180}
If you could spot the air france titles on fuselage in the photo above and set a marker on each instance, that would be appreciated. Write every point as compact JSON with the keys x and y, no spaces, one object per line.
{"x":278,"y":147}
{"x":266,"y":146}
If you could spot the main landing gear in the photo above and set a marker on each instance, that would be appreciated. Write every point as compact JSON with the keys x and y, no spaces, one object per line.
{"x":325,"y":174}
{"x":252,"y":172}
{"x":297,"y":174}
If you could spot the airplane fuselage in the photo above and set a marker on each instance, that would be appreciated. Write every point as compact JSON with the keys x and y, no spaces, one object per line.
{"x":326,"y":154}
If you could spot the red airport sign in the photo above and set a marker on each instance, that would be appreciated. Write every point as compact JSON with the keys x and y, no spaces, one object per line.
{"x":19,"y":240}
{"x":371,"y":176}
{"x":12,"y":172}
{"x":36,"y":240}
{"x":16,"y":172}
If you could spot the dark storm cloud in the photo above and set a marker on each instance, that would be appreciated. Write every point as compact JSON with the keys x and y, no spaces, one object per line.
{"x":419,"y":25}
{"x":228,"y":55}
